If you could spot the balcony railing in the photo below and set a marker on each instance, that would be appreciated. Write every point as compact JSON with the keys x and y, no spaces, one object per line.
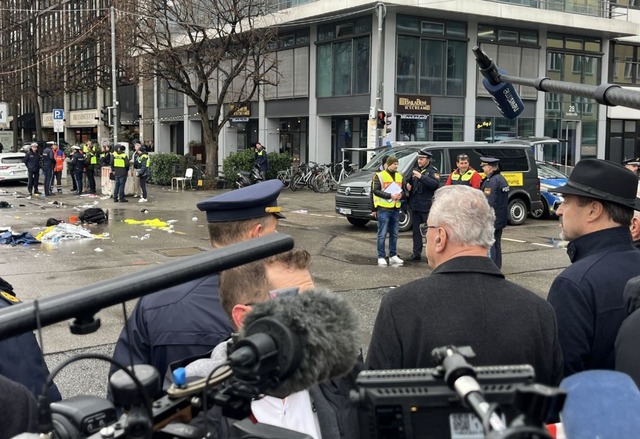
{"x":595,"y":8}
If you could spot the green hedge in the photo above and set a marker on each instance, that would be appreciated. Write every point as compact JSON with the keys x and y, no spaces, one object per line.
{"x":165,"y":166}
{"x":243,"y":161}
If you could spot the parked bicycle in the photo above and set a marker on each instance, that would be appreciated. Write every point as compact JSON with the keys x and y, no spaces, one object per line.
{"x":304,"y":176}
{"x":285,"y":176}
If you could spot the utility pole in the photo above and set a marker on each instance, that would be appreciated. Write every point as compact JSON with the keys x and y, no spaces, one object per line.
{"x":114,"y":78}
{"x":373,"y":138}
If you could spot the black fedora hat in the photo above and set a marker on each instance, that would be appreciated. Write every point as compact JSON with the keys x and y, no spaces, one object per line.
{"x":602,"y":180}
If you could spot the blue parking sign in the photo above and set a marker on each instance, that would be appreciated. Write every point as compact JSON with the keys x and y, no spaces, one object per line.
{"x":58,"y":114}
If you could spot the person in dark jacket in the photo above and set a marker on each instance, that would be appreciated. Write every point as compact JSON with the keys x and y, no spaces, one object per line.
{"x":21,"y":358}
{"x":48,"y":165}
{"x":142,"y":171}
{"x":78,"y":160}
{"x":627,"y":352}
{"x":324,"y":410}
{"x":496,"y":188}
{"x":197,"y":321}
{"x":421,"y":185}
{"x":261,"y":160}
{"x":466,"y":301}
{"x":599,"y":200}
{"x":19,"y":408}
{"x":120,"y":166}
{"x":32,"y":161}
{"x":92,"y":157}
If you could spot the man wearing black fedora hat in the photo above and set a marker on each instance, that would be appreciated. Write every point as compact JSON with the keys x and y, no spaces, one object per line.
{"x":421,"y":185}
{"x":599,"y":202}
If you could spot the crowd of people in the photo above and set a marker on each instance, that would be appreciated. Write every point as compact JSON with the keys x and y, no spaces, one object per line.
{"x":465,"y":301}
{"x":83,"y":162}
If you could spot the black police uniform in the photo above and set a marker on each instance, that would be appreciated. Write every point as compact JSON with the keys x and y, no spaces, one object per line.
{"x":496,"y":188}
{"x":420,"y":198}
{"x":188,"y":319}
{"x":21,"y":359}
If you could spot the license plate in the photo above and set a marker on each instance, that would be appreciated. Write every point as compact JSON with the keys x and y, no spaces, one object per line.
{"x":18,"y":173}
{"x":344,"y":211}
{"x":465,"y":426}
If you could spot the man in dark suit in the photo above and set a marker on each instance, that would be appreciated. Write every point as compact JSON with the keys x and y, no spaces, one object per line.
{"x":466,"y":301}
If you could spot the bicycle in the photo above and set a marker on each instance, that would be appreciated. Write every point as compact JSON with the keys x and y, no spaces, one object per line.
{"x":304,"y":176}
{"x":324,"y":180}
{"x":343,"y":169}
{"x":285,"y":176}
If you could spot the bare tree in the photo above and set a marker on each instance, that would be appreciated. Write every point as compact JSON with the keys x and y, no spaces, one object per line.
{"x":216,"y":52}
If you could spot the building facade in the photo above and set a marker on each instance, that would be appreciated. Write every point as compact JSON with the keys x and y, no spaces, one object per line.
{"x":337,"y":60}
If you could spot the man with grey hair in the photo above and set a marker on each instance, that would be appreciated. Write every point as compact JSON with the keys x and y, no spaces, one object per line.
{"x":466,"y":301}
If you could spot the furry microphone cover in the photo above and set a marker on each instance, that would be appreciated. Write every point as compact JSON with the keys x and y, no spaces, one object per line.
{"x":327,"y":326}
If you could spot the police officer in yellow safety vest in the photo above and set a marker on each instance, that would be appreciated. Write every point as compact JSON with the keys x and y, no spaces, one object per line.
{"x":120,"y":166}
{"x":261,"y":160}
{"x":91,"y":153}
{"x":387,"y":195}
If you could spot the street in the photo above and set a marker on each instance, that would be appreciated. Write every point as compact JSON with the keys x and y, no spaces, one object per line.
{"x":343,"y":259}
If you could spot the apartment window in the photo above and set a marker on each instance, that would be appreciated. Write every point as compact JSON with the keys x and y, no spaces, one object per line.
{"x":630,"y":3}
{"x":515,"y":50}
{"x":291,"y":68}
{"x":82,"y":100}
{"x":343,"y":58}
{"x":626,"y":64}
{"x":168,"y":98}
{"x":429,"y":65}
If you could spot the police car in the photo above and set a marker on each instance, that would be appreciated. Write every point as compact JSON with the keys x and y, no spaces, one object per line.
{"x":550,"y":178}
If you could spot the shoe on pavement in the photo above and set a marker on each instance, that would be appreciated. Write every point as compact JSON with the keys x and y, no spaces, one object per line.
{"x":142,"y":200}
{"x":382,"y":262}
{"x":136,"y":196}
{"x":124,"y":200}
{"x":395,"y":260}
{"x":29,"y":197}
{"x":415,"y":258}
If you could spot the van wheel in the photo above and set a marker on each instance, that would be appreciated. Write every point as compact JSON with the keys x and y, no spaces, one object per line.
{"x":541,"y":213}
{"x":517,"y":212}
{"x":358,"y":222}
{"x":405,"y":222}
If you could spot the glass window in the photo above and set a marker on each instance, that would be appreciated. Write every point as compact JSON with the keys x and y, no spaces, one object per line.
{"x":407,"y":24}
{"x":456,"y":66}
{"x":406,"y":67}
{"x":342,"y":68}
{"x":361,"y":65}
{"x":324,"y":70}
{"x":447,"y":128}
{"x":301,"y":71}
{"x":285,"y":68}
{"x":430,"y":27}
{"x":432,"y":67}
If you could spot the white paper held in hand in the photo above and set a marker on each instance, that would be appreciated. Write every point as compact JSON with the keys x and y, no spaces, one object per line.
{"x":393,"y":188}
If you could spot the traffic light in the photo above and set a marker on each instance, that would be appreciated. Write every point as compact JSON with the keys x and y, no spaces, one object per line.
{"x":382,"y":122}
{"x":388,"y":121}
{"x":105,"y":116}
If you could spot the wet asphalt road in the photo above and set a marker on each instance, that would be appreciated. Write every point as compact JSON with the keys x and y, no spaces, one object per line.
{"x":344,"y":259}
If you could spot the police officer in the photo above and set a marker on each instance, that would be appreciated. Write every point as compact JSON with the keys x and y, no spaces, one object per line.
{"x":78,"y":160}
{"x":48,"y":165}
{"x":188,"y":319}
{"x":421,"y":185}
{"x":32,"y":161}
{"x":92,"y":155}
{"x":120,"y":166}
{"x":261,"y":160}
{"x":21,"y":359}
{"x":632,"y":164}
{"x":496,"y":188}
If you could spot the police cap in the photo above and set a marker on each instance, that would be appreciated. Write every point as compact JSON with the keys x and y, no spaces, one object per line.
{"x":249,"y":202}
{"x":424,"y":153}
{"x":76,"y":147}
{"x":489,"y":161}
{"x":632,"y":161}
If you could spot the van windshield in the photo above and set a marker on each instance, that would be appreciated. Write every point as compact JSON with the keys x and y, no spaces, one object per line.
{"x":404,"y":156}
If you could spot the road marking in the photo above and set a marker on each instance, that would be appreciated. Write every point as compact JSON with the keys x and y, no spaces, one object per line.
{"x":513,"y":240}
{"x":543,"y":245}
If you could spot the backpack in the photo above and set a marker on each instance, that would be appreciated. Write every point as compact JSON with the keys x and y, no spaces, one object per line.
{"x":93,"y":215}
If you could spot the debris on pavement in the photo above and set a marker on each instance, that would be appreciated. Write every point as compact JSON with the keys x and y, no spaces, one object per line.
{"x":64,"y":232}
{"x":14,"y":239}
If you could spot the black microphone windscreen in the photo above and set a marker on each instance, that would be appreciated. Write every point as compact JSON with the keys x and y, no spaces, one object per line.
{"x":328,"y":329}
{"x":600,"y":404}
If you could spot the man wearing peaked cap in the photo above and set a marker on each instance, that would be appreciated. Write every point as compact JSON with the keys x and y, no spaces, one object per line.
{"x":496,"y":188}
{"x":599,"y":202}
{"x":632,"y":164}
{"x":188,"y":320}
{"x":420,"y":186}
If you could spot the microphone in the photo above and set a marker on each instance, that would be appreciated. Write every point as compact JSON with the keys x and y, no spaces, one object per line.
{"x":504,"y":94}
{"x":306,"y":339}
{"x":600,"y":403}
